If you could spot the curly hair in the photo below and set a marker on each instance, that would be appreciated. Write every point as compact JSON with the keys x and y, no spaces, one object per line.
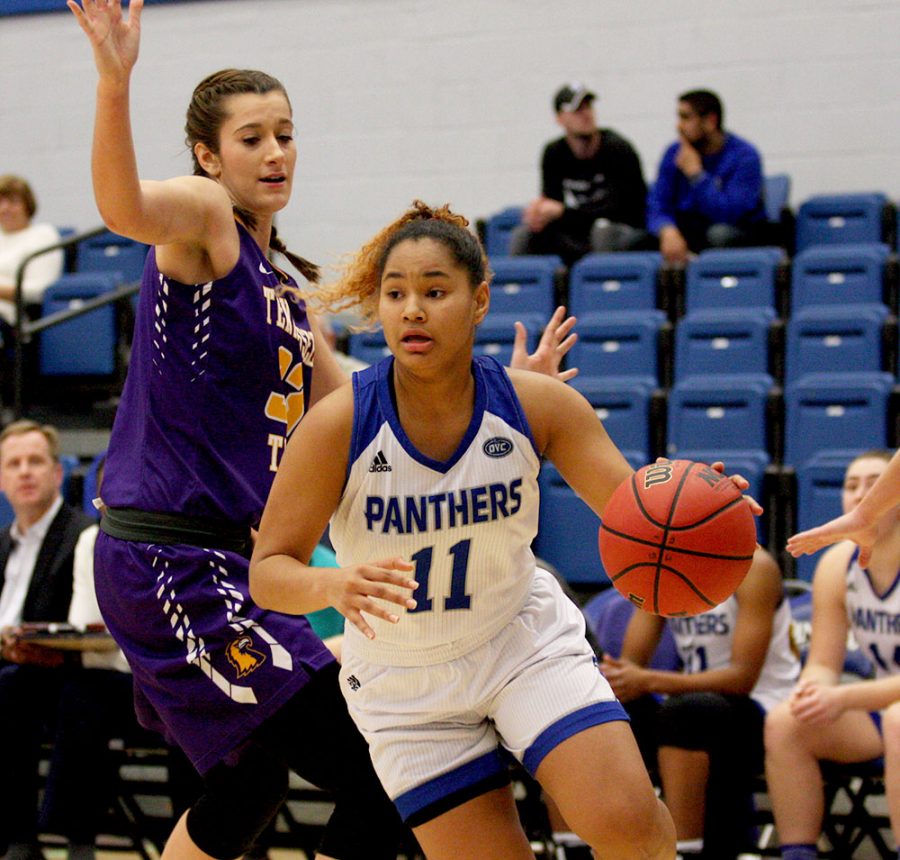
{"x":360,"y":280}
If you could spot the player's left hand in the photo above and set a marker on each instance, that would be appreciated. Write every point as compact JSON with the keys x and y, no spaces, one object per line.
{"x":742,"y":484}
{"x":557,"y":339}
{"x":816,"y":704}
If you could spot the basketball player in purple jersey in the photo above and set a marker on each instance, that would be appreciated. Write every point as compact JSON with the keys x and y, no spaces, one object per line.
{"x":221,"y":374}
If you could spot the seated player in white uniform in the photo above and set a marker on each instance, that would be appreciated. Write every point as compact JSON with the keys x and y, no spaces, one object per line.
{"x":827,"y":719}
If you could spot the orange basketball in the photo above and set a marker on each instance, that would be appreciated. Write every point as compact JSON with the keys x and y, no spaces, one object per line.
{"x":677,"y":538}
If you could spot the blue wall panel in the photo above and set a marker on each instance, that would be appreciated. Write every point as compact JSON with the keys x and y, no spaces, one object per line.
{"x":25,"y":7}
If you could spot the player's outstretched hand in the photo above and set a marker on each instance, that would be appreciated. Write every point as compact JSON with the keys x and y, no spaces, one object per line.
{"x":360,"y":588}
{"x":115,"y":40}
{"x":557,"y":339}
{"x":847,"y":527}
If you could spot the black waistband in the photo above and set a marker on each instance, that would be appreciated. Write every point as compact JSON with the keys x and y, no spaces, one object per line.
{"x":165,"y":528}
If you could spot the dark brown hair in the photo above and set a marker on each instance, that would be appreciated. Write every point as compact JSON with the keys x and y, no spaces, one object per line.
{"x":205,"y":115}
{"x":15,"y":186}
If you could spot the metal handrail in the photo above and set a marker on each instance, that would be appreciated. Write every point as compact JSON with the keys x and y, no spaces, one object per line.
{"x":24,"y":328}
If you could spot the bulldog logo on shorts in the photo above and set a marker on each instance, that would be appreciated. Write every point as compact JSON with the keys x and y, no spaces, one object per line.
{"x":243,"y":657}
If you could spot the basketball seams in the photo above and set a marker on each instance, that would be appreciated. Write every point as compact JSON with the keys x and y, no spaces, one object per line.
{"x":654,"y":578}
{"x":656,"y":545}
{"x":677,"y":573}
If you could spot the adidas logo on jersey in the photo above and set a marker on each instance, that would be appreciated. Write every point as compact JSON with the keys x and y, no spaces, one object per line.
{"x":380,"y":463}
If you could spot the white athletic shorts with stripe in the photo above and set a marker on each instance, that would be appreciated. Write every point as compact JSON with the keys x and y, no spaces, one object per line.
{"x":435,"y":732}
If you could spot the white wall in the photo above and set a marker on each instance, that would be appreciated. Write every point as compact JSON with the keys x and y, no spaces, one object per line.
{"x":450,"y":99}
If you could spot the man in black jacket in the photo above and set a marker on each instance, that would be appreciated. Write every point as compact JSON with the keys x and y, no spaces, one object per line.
{"x":593,"y":194}
{"x":36,"y":559}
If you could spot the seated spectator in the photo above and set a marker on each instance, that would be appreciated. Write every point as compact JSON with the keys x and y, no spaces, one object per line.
{"x":709,"y":191}
{"x":708,"y":729}
{"x":36,"y":565}
{"x":593,"y":194}
{"x":824,"y":718}
{"x":19,"y":238}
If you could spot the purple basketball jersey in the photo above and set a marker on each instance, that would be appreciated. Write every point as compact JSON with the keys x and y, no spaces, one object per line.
{"x":219,"y":378}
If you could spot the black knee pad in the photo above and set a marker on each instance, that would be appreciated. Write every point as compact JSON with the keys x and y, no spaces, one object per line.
{"x":237,"y":803}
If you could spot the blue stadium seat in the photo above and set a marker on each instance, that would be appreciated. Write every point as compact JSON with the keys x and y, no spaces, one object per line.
{"x":614,"y":282}
{"x":777,"y":192}
{"x":495,"y":336}
{"x":498,"y":228}
{"x":819,"y":485}
{"x":835,"y":411}
{"x":841,"y":338}
{"x":723,"y":413}
{"x":6,"y":512}
{"x":86,"y":345}
{"x":624,"y":409}
{"x":524,"y":284}
{"x":368,"y":346}
{"x":840,"y":219}
{"x":110,"y":252}
{"x":838,"y":275}
{"x":733,"y":277}
{"x":713,"y":341}
{"x":620,"y":344}
{"x":608,"y":613}
{"x":568,"y":530}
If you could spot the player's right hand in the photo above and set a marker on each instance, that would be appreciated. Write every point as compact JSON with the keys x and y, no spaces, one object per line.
{"x":360,"y":588}
{"x":114,"y":39}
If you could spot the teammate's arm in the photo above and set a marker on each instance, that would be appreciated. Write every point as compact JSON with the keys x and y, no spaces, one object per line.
{"x":328,"y":375}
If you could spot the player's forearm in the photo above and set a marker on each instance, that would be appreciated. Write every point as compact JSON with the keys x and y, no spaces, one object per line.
{"x":283,"y":584}
{"x":884,"y":494}
{"x":117,"y":188}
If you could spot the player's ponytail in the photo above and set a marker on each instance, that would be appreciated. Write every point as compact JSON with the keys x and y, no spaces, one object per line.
{"x":359,"y":284}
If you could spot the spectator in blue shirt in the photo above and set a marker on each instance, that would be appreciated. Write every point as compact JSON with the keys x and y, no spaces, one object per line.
{"x":709,"y":191}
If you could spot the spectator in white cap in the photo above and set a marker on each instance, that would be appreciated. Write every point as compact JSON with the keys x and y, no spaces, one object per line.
{"x":593,"y":194}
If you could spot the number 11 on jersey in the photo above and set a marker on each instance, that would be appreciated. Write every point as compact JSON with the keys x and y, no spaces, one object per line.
{"x":457,"y":599}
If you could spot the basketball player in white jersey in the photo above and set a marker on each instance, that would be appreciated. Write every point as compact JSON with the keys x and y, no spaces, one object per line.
{"x":823,"y":718}
{"x":429,"y":461}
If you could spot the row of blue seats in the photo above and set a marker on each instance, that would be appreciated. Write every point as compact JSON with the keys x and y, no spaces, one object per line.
{"x":823,"y":219}
{"x":604,"y":289}
{"x":105,"y":252}
{"x":642,"y":347}
{"x":716,"y":279}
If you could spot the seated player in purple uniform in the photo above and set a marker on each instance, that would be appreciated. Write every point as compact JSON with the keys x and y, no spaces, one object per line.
{"x":434,"y":460}
{"x":221,"y":373}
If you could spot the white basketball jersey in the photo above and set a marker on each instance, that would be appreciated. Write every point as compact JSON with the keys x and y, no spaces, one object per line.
{"x":704,"y":642}
{"x":874,"y":619}
{"x":467,"y":524}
